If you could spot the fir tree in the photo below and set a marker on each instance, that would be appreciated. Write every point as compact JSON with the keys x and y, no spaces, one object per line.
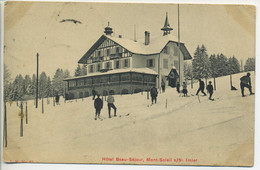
{"x":200,"y":63}
{"x":222,"y":65}
{"x":43,"y":85}
{"x":233,"y":65}
{"x":250,"y":64}
{"x":27,"y":84}
{"x":7,"y":83}
{"x":187,"y":68}
{"x":84,"y":70}
{"x":77,"y":71}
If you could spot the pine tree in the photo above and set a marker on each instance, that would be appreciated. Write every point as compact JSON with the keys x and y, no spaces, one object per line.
{"x":43,"y":85}
{"x":59,"y":85}
{"x":233,"y":65}
{"x":200,"y":63}
{"x":83,"y":70}
{"x":187,"y":68}
{"x":77,"y":71}
{"x":222,"y":65}
{"x":27,"y":84}
{"x":250,"y":64}
{"x":33,"y":85}
{"x":18,"y":88}
{"x":49,"y":87}
{"x":7,"y":83}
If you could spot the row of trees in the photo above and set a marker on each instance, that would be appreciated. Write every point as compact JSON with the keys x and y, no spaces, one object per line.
{"x":203,"y":66}
{"x":25,"y":87}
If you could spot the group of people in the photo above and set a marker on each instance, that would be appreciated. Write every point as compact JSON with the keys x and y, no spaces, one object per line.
{"x":245,"y":81}
{"x":98,"y":104}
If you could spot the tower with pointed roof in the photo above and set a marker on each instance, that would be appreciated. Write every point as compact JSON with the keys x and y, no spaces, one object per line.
{"x":108,"y":30}
{"x":166,"y":28}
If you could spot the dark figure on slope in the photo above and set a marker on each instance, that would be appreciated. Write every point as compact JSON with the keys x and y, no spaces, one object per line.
{"x":94,"y":93}
{"x":184,"y":89}
{"x":110,"y":103}
{"x":163,"y":86}
{"x":178,"y":87}
{"x":210,"y":90}
{"x":57,"y":99}
{"x":154,"y":94}
{"x":246,"y":82}
{"x":98,"y":104}
{"x":201,"y":88}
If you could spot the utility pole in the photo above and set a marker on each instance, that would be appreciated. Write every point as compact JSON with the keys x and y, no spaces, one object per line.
{"x":37,"y":77}
{"x":179,"y":54}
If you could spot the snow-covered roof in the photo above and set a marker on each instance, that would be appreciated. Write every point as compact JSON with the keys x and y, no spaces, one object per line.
{"x":116,"y":71}
{"x":155,"y":46}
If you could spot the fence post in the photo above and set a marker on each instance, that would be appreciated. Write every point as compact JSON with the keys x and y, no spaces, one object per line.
{"x":5,"y":127}
{"x":166,"y":104}
{"x":21,"y":125}
{"x":26,"y":113}
{"x":42,"y":106}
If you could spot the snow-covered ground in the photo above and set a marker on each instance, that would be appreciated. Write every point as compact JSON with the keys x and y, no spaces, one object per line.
{"x":186,"y":132}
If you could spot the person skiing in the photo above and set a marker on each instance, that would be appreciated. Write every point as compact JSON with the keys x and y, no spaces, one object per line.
{"x":184,"y":89}
{"x":154,"y":94}
{"x":57,"y":99}
{"x":94,"y":93}
{"x":98,"y":104}
{"x":210,"y":90}
{"x":245,"y":81}
{"x":110,"y":103}
{"x":178,"y":87}
{"x":201,"y":88}
{"x":163,"y":86}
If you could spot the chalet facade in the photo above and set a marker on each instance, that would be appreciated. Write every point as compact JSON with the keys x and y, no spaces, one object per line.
{"x":123,"y":66}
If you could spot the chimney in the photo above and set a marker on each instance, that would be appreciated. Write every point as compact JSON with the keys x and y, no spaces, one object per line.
{"x":147,"y":38}
{"x":119,"y":36}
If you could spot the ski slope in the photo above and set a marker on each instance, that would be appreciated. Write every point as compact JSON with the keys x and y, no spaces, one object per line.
{"x":189,"y":132}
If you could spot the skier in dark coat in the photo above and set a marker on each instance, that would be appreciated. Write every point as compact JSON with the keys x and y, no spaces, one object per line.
{"x":184,"y":89}
{"x":57,"y":99}
{"x":98,"y":104}
{"x":210,"y":90}
{"x":201,"y":88}
{"x":154,"y":94}
{"x":178,"y":87}
{"x":94,"y":93}
{"x":163,"y":86}
{"x":246,"y":82}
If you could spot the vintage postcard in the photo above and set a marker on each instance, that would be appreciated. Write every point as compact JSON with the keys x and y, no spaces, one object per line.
{"x":129,"y":83}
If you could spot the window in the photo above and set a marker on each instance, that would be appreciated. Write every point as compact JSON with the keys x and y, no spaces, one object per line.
{"x":81,"y":83}
{"x":99,"y":53}
{"x":117,"y":64}
{"x":91,"y":68}
{"x":72,"y":83}
{"x":126,"y":63}
{"x":117,"y":50}
{"x":98,"y":67}
{"x":108,"y":52}
{"x":150,"y":63}
{"x":108,"y":65}
{"x":165,"y":63}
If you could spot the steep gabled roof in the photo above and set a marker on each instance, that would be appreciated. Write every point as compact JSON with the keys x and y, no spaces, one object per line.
{"x":155,"y":46}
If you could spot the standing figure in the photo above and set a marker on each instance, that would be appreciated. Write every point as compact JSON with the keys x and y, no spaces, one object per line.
{"x":201,"y":88}
{"x":163,"y":86}
{"x":98,"y":104}
{"x":110,"y":103}
{"x":94,"y":93}
{"x":184,"y":89}
{"x":210,"y":90}
{"x":246,"y":82}
{"x":154,"y":94}
{"x":57,"y":99}
{"x":178,"y":87}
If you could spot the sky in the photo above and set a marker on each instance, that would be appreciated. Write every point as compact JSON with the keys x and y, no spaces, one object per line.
{"x":31,"y":27}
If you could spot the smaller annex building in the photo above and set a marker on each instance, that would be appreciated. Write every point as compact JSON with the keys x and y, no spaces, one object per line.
{"x":121,"y":66}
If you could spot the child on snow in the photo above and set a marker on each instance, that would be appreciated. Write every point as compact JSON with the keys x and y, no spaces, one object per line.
{"x":210,"y":90}
{"x":184,"y":89}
